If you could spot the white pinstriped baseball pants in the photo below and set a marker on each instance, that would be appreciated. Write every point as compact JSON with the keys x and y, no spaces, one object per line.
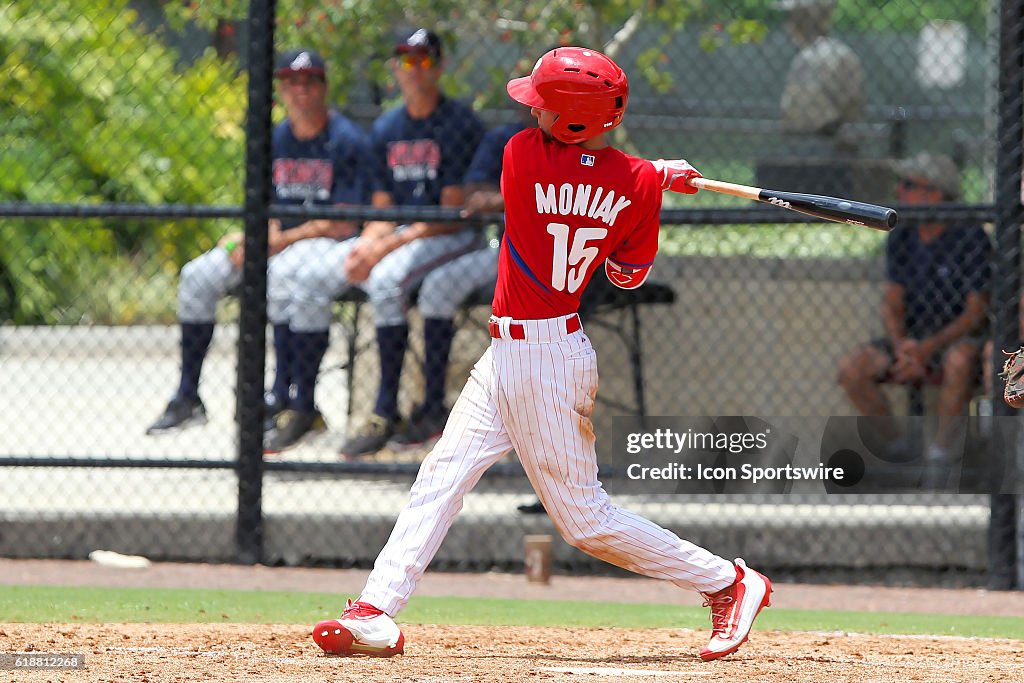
{"x":535,"y":396}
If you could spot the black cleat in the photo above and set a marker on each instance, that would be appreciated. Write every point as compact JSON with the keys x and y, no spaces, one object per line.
{"x":180,"y":413}
{"x":291,"y":427}
{"x":534,"y":508}
{"x":422,"y":428}
{"x":373,"y":436}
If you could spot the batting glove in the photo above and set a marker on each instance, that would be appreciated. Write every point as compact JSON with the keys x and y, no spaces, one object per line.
{"x":675,"y":174}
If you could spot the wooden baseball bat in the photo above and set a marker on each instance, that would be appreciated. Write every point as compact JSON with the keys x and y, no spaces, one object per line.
{"x":819,"y":206}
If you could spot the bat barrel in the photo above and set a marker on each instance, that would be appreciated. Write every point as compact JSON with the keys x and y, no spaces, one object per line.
{"x":833,"y":209}
{"x":819,"y":206}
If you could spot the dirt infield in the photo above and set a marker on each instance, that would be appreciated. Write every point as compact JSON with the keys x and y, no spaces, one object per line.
{"x":181,"y":653}
{"x":464,"y":654}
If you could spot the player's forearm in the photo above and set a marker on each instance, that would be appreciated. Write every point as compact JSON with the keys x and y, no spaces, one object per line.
{"x":482,"y":198}
{"x":384,"y":242}
{"x":310,"y":229}
{"x":377,"y":229}
{"x":895,"y":326}
{"x":961,"y":326}
{"x":894,"y":313}
{"x":413,"y":232}
{"x":419,"y":230}
{"x":323,"y":228}
{"x":452,"y":197}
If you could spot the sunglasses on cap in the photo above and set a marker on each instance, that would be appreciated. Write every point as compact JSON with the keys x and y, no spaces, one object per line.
{"x":412,"y":60}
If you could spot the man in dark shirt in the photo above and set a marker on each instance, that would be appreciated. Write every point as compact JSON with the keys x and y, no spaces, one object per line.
{"x":934,"y":309}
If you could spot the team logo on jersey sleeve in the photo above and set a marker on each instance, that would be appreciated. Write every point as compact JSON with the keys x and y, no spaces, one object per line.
{"x":587,"y":159}
{"x":626,"y":276}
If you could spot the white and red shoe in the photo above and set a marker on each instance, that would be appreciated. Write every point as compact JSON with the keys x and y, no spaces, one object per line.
{"x":362,"y":630}
{"x":733,"y":611}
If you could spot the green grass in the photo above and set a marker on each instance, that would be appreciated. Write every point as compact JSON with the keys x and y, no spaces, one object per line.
{"x":35,"y":604}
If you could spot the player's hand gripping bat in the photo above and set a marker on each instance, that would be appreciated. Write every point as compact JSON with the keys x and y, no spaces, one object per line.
{"x":679,"y":176}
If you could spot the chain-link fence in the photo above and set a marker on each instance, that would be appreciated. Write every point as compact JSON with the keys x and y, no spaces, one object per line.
{"x":181,"y":381}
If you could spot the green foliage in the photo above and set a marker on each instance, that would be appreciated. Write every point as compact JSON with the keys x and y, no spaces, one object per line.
{"x":97,"y":111}
{"x":890,"y":16}
{"x":875,"y":15}
{"x":329,"y":26}
{"x":126,"y":290}
{"x":526,"y":27}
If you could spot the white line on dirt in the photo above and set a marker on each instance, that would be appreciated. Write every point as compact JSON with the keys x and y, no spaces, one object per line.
{"x":608,"y":671}
{"x":908,"y":636}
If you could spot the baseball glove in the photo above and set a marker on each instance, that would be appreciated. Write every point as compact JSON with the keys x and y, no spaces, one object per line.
{"x":1013,"y":373}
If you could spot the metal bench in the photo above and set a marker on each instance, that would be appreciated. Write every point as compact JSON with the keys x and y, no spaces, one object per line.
{"x":608,"y":307}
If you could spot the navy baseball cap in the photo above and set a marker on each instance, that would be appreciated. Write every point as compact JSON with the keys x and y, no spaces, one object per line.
{"x":421,"y":41}
{"x":301,"y":61}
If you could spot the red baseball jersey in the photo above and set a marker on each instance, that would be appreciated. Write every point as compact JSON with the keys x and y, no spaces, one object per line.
{"x":567,"y":211}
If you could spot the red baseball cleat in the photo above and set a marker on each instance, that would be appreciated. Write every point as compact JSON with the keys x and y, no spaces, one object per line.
{"x":733,"y":611}
{"x":362,"y":630}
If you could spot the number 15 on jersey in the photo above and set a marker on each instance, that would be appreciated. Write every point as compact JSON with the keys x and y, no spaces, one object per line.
{"x":569,"y":264}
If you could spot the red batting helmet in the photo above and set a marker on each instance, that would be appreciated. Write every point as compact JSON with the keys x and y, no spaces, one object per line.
{"x":585,"y":88}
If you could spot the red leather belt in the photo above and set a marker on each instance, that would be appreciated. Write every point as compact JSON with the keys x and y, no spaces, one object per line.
{"x":518,"y":331}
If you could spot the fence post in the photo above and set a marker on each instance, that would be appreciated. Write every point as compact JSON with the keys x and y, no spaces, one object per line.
{"x":1020,"y":537}
{"x":1003,"y":558}
{"x":252,"y":323}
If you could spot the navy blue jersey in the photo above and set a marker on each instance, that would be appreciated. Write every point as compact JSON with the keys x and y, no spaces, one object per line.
{"x":937,"y":276}
{"x":328,"y":169}
{"x":486,"y":164}
{"x":414,"y":158}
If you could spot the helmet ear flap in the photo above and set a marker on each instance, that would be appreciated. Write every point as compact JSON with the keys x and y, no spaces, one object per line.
{"x":570,"y":133}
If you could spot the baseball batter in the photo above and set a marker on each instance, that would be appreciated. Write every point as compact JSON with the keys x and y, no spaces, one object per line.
{"x":573,"y":204}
